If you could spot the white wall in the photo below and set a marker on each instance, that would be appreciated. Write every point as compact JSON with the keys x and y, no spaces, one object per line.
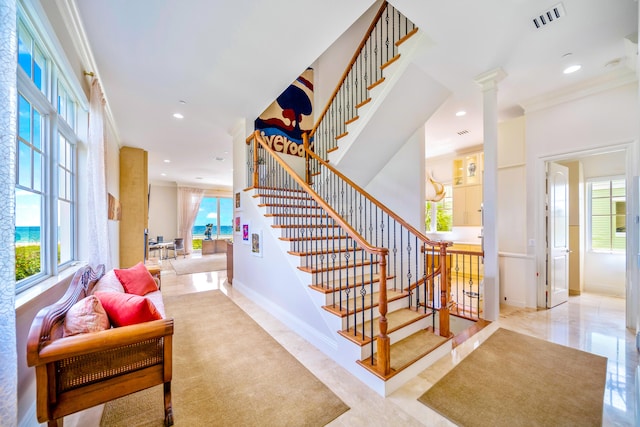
{"x":400,"y":184}
{"x":113,"y":187}
{"x":272,"y":281}
{"x":594,"y":121}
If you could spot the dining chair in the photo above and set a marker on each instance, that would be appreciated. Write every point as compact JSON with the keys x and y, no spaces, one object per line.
{"x":178,"y":245}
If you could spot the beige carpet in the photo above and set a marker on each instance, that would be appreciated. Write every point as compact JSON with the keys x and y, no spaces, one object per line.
{"x":516,"y":380}
{"x":214,"y":262}
{"x":227,"y":371}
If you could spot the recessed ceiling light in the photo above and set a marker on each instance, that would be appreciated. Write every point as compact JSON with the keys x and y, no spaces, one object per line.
{"x":183,"y":102}
{"x":572,"y":69}
{"x":461,"y":113}
{"x":178,"y":116}
{"x":198,"y":177}
{"x":167,"y":161}
{"x":163,"y":174}
{"x":220,"y":159}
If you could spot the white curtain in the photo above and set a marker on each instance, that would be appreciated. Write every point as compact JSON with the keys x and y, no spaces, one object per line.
{"x":99,"y":251}
{"x":188,"y":205}
{"x":8,"y":126}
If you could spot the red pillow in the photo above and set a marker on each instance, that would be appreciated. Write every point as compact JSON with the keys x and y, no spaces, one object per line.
{"x":136,"y":280}
{"x":127,"y":309}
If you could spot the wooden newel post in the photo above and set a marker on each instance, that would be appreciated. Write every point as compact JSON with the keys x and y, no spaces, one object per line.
{"x":383,"y":342}
{"x":443,"y":313}
{"x":307,"y":166}
{"x":256,"y":164}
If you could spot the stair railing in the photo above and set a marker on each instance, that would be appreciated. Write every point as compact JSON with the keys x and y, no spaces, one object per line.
{"x":467,"y":274}
{"x":414,"y":259}
{"x":377,"y":50}
{"x":339,"y":258}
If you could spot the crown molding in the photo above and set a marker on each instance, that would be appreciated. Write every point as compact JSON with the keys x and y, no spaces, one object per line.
{"x":612,"y":80}
{"x":71,"y":17}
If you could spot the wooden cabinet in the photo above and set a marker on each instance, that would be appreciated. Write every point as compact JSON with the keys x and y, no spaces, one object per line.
{"x":467,"y":190}
{"x":230,"y":261}
{"x":467,"y":205}
{"x":208,"y":247}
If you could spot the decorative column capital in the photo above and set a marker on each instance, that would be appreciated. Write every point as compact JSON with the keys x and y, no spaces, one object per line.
{"x":490,"y":79}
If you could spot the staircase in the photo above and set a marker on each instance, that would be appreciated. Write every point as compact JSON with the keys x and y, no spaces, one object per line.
{"x":381,"y":285}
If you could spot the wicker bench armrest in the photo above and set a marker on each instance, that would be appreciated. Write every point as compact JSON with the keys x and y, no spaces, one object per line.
{"x":95,"y":342}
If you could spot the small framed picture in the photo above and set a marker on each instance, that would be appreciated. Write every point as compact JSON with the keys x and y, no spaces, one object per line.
{"x":246,"y":236}
{"x":238,"y":201}
{"x":256,"y":243}
{"x":236,"y":224}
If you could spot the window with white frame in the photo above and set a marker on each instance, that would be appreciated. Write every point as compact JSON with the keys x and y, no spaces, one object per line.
{"x":45,"y":167}
{"x":217,"y":212}
{"x":439,"y":215}
{"x":607,"y":214}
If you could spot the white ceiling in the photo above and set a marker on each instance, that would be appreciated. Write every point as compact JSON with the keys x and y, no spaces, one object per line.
{"x":229,"y":60}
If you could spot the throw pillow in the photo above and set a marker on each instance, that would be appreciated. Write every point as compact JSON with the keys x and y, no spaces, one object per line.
{"x":108,"y":283}
{"x":127,"y":309}
{"x":87,"y":315}
{"x":136,"y":280}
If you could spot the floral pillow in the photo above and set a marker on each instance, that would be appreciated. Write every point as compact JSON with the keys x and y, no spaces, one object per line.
{"x":127,"y":309}
{"x":87,"y":315}
{"x":108,"y":283}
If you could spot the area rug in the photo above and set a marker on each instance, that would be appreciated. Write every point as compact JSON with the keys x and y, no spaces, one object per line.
{"x":204,"y":264}
{"x":516,"y":380}
{"x":227,"y":371}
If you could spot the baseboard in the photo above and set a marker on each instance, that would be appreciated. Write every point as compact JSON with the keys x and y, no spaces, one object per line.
{"x":30,"y":418}
{"x":322,"y":342}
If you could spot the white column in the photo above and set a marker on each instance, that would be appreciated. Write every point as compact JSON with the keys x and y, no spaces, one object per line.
{"x":489,"y":84}
{"x":8,"y":127}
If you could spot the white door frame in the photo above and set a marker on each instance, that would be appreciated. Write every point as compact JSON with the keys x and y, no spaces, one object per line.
{"x":632,"y":154}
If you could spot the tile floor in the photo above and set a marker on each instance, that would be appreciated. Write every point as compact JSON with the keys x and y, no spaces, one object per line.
{"x":590,"y":322}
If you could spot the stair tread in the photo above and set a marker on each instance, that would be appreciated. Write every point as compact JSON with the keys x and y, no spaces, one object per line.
{"x":414,"y":347}
{"x":339,"y":285}
{"x":408,"y":351}
{"x":356,"y":304}
{"x":286,"y":205}
{"x":326,"y":267}
{"x":395,"y":319}
{"x":305,"y":226}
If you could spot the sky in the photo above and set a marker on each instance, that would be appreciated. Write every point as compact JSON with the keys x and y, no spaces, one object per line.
{"x":207,"y":213}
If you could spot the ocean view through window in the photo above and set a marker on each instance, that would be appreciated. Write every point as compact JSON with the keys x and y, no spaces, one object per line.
{"x":217,"y":211}
{"x":50,"y":105}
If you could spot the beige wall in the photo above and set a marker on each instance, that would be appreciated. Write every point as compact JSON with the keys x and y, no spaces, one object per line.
{"x":163,"y":211}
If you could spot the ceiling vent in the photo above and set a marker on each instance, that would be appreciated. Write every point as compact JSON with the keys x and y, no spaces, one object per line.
{"x":463,"y":132}
{"x":548,"y":16}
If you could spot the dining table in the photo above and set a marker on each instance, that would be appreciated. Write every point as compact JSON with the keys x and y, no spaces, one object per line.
{"x":162,"y":247}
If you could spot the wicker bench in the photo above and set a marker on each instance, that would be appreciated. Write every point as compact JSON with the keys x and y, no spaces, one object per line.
{"x":77,"y":372}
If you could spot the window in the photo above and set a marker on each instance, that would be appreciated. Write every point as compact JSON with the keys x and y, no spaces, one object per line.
{"x":217,"y":211}
{"x":45,"y":167}
{"x":607,"y":214}
{"x":31,"y":59}
{"x":66,"y":178}
{"x":439,"y":215}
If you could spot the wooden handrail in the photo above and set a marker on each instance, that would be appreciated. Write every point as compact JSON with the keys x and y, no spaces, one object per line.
{"x":383,"y":340}
{"x":341,"y":222}
{"x":373,"y":24}
{"x":384,"y":208}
